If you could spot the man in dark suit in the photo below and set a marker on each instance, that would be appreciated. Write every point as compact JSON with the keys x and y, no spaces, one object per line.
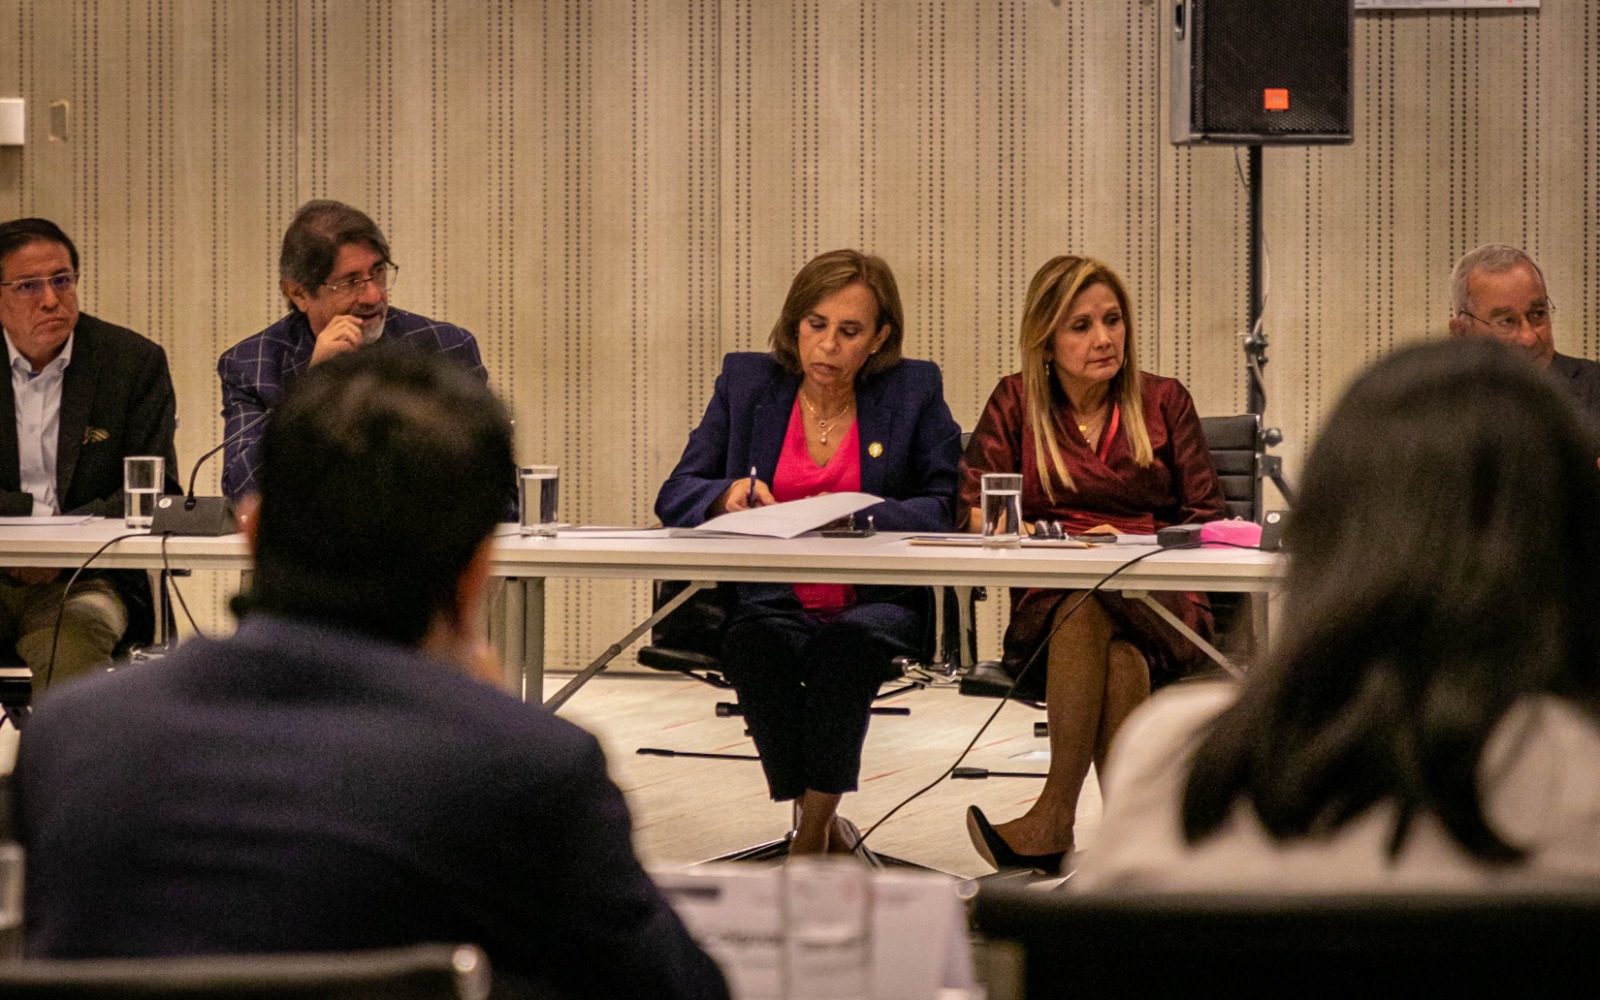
{"x":335,"y":272}
{"x":1498,"y":291}
{"x":82,"y":395}
{"x":339,"y":774}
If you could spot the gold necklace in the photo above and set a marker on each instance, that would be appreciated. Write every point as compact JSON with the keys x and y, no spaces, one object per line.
{"x":1094,"y":421}
{"x":823,"y":423}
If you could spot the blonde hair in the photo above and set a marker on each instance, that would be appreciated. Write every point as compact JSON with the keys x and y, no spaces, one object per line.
{"x":1050,"y":295}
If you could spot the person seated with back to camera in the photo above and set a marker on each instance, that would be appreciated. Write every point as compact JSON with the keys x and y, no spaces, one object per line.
{"x":832,"y":408}
{"x":1431,"y":716}
{"x":1101,"y":447}
{"x":340,"y":774}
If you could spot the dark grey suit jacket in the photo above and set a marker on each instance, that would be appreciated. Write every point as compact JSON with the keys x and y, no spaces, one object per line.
{"x":1581,"y":377}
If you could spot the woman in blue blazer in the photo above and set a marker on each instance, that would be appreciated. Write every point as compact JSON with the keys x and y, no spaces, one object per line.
{"x":832,"y":408}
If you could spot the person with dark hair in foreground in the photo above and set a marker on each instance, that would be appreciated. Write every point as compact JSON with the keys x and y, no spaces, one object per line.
{"x":1431,"y":716}
{"x":335,"y":272}
{"x":339,"y":775}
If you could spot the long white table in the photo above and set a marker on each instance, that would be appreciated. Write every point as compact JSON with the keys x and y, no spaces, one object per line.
{"x":884,"y":558}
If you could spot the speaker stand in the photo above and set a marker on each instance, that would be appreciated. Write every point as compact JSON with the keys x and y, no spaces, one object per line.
{"x":1268,"y":466}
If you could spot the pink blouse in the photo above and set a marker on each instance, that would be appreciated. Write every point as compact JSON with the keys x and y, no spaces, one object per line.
{"x":798,"y":477}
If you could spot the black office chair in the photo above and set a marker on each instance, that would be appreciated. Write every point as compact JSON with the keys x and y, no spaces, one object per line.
{"x":1226,"y":945}
{"x":421,"y":972}
{"x":689,"y":642}
{"x":1235,"y":453}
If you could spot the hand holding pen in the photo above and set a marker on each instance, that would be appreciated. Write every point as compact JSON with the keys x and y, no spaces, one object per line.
{"x":743,"y":494}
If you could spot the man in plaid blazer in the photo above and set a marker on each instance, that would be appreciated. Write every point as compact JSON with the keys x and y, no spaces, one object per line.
{"x":336,"y":273}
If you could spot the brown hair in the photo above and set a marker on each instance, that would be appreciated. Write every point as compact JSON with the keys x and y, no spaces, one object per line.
{"x":319,"y":230}
{"x":1050,"y":295}
{"x":821,"y":277}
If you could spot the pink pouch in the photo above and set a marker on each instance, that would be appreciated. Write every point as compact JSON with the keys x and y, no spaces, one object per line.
{"x":1235,"y":532}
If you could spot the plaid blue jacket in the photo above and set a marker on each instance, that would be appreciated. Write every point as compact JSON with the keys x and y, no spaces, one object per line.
{"x":256,"y":371}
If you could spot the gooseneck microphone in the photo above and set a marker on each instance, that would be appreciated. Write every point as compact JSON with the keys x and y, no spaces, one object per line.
{"x":204,"y":516}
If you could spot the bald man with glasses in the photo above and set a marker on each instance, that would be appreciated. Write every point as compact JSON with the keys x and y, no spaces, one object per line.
{"x":82,"y":395}
{"x":1498,"y":291}
{"x":336,"y":273}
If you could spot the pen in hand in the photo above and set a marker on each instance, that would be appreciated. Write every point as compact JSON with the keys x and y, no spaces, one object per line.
{"x":750,"y":501}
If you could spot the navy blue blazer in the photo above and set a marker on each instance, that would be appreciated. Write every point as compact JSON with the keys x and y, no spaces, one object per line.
{"x":299,"y":787}
{"x":902,"y":409}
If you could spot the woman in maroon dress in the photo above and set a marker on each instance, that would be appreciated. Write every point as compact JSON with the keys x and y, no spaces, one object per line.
{"x":1101,"y":446}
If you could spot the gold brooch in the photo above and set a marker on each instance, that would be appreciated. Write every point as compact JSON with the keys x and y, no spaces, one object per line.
{"x":94,"y":435}
{"x":875,"y":449}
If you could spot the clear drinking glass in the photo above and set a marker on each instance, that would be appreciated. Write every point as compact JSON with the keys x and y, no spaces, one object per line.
{"x":539,"y":490}
{"x":141,"y":485}
{"x":825,"y":904}
{"x":10,"y":901}
{"x":1002,"y":509}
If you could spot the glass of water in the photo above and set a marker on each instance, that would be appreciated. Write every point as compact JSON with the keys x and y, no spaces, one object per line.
{"x":10,"y":901}
{"x":141,"y":485}
{"x":538,"y":493}
{"x":1002,"y":509}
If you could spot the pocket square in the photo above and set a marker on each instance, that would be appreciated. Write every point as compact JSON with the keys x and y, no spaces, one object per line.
{"x":94,"y":435}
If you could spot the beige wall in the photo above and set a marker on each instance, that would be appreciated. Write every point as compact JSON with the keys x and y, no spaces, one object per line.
{"x":612,"y":193}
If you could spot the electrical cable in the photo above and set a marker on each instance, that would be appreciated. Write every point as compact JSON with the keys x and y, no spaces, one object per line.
{"x":61,"y":609}
{"x":172,"y":581}
{"x":1027,"y":666}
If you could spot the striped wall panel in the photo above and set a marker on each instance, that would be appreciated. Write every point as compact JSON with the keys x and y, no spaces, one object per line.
{"x":613,"y":193}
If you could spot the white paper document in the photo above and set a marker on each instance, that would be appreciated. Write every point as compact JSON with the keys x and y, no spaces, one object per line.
{"x":52,"y":521}
{"x":786,"y":520}
{"x":608,"y":531}
{"x":1444,"y":4}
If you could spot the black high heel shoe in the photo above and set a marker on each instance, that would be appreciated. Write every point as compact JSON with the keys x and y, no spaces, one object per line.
{"x":988,"y":842}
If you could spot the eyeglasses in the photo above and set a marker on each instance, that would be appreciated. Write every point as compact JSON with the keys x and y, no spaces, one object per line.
{"x":1537,"y":318}
{"x":384,"y":276}
{"x":32,"y":288}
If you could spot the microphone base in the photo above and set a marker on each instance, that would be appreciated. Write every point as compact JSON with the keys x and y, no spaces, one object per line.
{"x":204,"y":516}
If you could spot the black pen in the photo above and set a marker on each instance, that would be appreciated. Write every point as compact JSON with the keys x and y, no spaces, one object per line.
{"x":751,"y":499}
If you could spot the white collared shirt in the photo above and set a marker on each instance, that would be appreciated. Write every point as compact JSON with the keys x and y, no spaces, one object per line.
{"x":38,"y":397}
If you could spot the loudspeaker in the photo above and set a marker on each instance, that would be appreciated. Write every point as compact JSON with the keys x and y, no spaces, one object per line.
{"x":1262,"y":72}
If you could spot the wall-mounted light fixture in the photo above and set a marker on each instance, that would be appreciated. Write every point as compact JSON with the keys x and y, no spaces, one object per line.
{"x":11,"y":121}
{"x":60,"y":120}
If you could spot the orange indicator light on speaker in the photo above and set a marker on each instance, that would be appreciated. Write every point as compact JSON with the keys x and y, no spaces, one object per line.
{"x":1275,"y":99}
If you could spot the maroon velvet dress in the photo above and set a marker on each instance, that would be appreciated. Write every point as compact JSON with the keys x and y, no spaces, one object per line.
{"x":1179,"y":486}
